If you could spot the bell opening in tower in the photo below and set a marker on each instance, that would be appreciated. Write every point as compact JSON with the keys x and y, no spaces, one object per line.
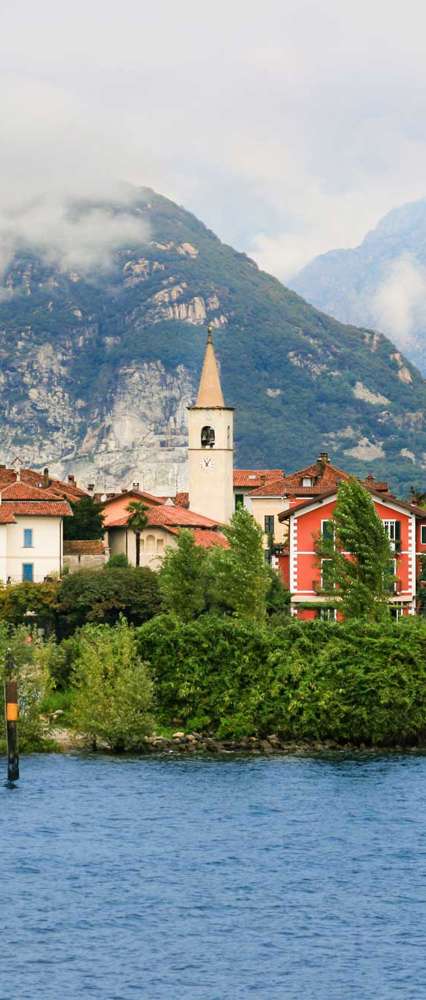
{"x":207,"y":437}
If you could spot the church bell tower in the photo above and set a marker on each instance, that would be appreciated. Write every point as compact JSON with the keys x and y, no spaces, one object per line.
{"x":211,"y":445}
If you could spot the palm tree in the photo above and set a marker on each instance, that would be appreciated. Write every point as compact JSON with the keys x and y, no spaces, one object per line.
{"x":138,"y":520}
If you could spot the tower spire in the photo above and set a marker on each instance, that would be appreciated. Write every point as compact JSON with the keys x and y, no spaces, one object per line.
{"x":210,"y":390}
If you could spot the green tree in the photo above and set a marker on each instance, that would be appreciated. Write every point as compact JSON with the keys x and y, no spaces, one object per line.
{"x":87,"y":520}
{"x":30,"y":604}
{"x":102,"y":596}
{"x":183,"y":577}
{"x":31,"y":658}
{"x":277,"y":596}
{"x":113,"y":690}
{"x":138,"y":520}
{"x":240,"y":577}
{"x":360,"y":581}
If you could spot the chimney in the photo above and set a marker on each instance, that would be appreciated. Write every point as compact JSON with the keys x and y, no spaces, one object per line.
{"x":71,"y":478}
{"x":324,"y":459}
{"x":90,"y":488}
{"x":135,"y":486}
{"x":46,"y":480}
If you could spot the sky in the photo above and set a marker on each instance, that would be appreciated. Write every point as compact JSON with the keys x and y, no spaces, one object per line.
{"x":288,"y":126}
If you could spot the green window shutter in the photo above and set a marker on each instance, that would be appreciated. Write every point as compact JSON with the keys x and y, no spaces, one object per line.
{"x":397,"y":536}
{"x":328,"y":531}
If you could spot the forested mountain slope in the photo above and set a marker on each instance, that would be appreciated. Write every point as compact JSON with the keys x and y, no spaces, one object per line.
{"x":97,"y":370}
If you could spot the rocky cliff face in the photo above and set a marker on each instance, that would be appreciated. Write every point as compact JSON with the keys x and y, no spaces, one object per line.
{"x":97,"y":371}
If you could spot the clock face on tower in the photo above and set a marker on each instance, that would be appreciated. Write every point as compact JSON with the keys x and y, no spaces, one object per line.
{"x":206,"y":463}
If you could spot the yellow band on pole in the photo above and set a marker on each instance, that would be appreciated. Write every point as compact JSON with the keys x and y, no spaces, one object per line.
{"x":11,"y":712}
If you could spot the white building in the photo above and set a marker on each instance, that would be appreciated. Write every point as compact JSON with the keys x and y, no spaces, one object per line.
{"x":31,"y":531}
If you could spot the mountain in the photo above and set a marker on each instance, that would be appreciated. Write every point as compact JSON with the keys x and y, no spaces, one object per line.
{"x":97,"y":369}
{"x":381,"y":283}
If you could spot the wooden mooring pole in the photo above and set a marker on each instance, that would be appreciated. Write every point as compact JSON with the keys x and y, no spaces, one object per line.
{"x":11,"y":717}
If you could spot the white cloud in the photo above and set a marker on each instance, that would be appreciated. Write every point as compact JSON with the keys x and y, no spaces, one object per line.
{"x":399,"y":303}
{"x":83,"y":240}
{"x":289,"y":127}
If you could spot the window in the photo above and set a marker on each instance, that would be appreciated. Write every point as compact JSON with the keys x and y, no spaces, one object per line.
{"x":150,"y":543}
{"x":423,"y":534}
{"x":397,"y":611}
{"x":393,"y":531}
{"x":327,"y":531}
{"x":307,"y":481}
{"x":27,"y":572}
{"x":269,"y":524}
{"x":28,"y":538}
{"x":207,"y":437}
{"x":327,"y":614}
{"x":326,"y":574}
{"x":390,"y":580}
{"x":239,"y":500}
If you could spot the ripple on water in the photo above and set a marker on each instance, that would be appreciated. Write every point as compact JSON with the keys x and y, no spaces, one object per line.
{"x":277,"y":879}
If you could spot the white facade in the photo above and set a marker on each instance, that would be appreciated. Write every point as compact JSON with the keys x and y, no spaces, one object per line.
{"x":31,"y":548}
{"x":210,"y":467}
{"x":153,"y":543}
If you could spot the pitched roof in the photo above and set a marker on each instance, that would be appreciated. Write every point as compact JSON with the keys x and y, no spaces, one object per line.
{"x":129,"y":494}
{"x":38,"y":508}
{"x":68,"y":489}
{"x":323,"y":474}
{"x":255,"y":478}
{"x":179,"y":517}
{"x":24,"y":491}
{"x":384,"y":498}
{"x":205,"y":538}
{"x":210,"y":390}
{"x":166,"y":515}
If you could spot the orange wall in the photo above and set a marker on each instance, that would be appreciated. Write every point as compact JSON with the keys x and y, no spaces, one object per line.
{"x":309,"y":528}
{"x":118,"y":506}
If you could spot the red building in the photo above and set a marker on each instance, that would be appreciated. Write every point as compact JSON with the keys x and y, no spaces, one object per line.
{"x":307,"y":520}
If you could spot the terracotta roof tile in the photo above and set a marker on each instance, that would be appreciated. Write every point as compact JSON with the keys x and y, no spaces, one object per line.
{"x":208,"y":539}
{"x":38,"y":508}
{"x":169,"y":514}
{"x":33,"y":478}
{"x":182,"y":499}
{"x":254,"y":478}
{"x":166,"y":515}
{"x":6,"y":516}
{"x":25,"y":491}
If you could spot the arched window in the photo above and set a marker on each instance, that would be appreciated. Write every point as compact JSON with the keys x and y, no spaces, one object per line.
{"x":207,"y":437}
{"x":150,"y":543}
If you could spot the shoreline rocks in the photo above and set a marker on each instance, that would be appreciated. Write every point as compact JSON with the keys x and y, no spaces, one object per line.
{"x":190,"y":743}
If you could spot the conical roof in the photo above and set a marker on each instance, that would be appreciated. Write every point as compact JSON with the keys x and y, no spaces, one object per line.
{"x":210,"y":390}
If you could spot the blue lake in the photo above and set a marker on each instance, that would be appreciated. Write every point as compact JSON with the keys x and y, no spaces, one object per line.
{"x":289,"y":877}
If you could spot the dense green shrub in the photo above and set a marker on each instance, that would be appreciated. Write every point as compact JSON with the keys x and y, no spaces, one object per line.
{"x":30,"y":603}
{"x":119,"y":560}
{"x":102,"y":596}
{"x":353,"y":682}
{"x":113,"y":691}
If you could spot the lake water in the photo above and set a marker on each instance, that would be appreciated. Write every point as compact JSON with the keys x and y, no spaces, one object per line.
{"x":287,"y":877}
